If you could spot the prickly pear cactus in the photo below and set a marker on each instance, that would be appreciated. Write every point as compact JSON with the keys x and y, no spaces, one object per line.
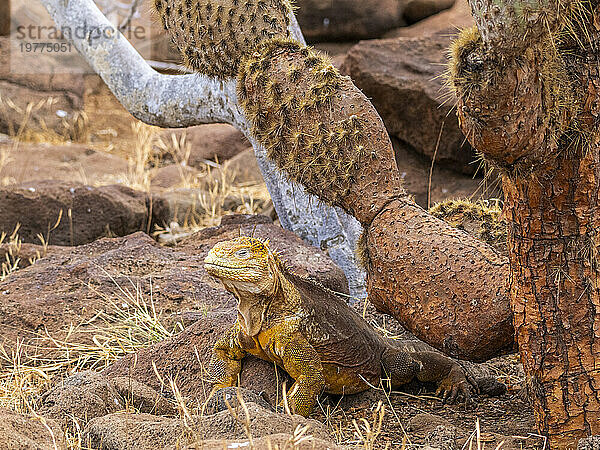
{"x":499,"y":20}
{"x":482,"y":219}
{"x":544,"y":94}
{"x":214,"y":36}
{"x":315,"y":125}
{"x":298,"y":85}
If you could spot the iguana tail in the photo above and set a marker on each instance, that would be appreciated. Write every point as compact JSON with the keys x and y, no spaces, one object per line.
{"x":490,"y":386}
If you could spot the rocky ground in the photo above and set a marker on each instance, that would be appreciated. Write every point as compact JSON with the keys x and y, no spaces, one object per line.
{"x":107,"y":314}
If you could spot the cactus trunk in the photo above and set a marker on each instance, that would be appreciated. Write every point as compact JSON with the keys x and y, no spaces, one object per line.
{"x":555,"y":294}
{"x":527,"y":81}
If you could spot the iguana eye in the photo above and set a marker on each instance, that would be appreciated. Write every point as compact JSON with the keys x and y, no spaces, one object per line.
{"x":242,"y":253}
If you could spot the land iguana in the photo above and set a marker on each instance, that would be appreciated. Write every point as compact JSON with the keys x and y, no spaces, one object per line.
{"x":311,"y":333}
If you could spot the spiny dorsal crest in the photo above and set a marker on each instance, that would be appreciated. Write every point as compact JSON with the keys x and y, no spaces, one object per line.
{"x":214,"y":36}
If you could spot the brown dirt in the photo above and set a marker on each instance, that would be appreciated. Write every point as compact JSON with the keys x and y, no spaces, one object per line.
{"x":66,"y":162}
{"x":506,"y":419}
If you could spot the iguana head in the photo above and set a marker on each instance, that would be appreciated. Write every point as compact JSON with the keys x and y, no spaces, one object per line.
{"x":249,"y":270}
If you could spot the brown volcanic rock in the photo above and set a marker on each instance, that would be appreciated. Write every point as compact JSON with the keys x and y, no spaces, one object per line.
{"x":457,"y":17}
{"x":216,"y":141}
{"x":25,"y":432}
{"x":404,"y":79}
{"x":95,"y":212}
{"x":416,"y":10}
{"x":87,"y":395}
{"x":445,"y":183}
{"x":347,"y":19}
{"x":72,"y":284}
{"x":26,"y":254}
{"x":123,"y":431}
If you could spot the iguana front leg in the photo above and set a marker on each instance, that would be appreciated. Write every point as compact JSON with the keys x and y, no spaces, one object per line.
{"x":302,"y":362}
{"x":226,"y":364}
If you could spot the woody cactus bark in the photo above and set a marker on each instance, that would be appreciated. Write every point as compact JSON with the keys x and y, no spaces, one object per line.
{"x":528,"y":85}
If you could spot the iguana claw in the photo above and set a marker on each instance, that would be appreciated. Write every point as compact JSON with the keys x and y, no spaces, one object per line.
{"x":456,"y":385}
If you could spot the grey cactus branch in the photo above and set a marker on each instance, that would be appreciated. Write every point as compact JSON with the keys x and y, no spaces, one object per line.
{"x":177,"y":101}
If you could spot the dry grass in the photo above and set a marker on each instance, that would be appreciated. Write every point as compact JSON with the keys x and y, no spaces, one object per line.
{"x":11,"y":246}
{"x":213,"y":191}
{"x":207,"y":192}
{"x":367,"y":432}
{"x":179,"y":149}
{"x":138,"y":175}
{"x":11,"y":259}
{"x":477,"y":442}
{"x":5,"y":152}
{"x":221,"y":188}
{"x":130,"y":322}
{"x":27,"y":124}
{"x":21,"y":128}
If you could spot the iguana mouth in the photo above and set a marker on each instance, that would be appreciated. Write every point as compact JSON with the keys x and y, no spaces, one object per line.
{"x":223,"y":266}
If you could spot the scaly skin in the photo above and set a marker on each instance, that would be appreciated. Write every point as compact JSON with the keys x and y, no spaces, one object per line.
{"x":311,"y":333}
